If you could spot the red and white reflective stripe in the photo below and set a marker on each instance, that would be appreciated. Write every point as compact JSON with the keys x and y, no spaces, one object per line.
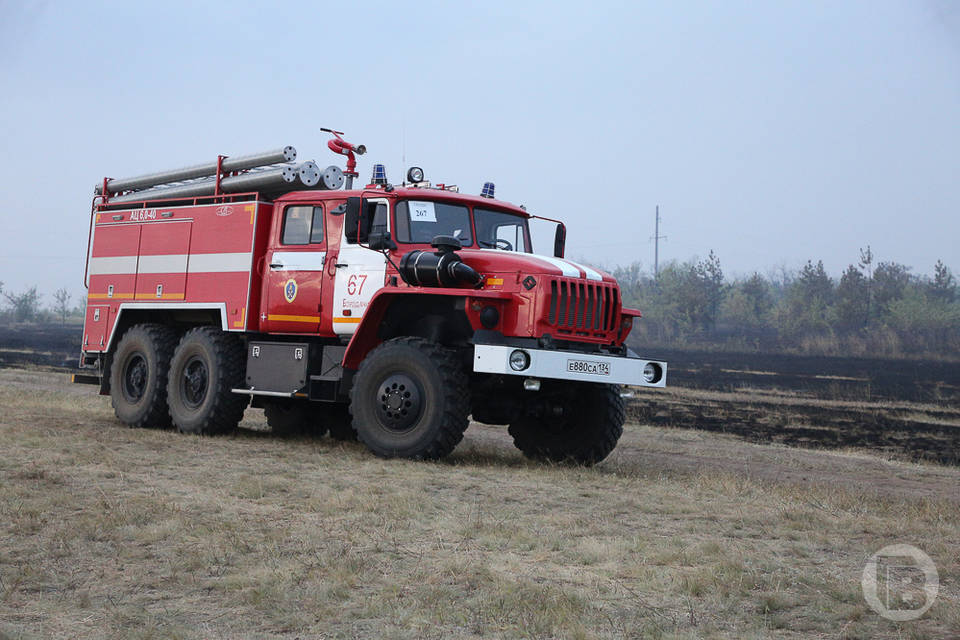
{"x":569,"y":268}
{"x":174,"y":263}
{"x":588,"y":272}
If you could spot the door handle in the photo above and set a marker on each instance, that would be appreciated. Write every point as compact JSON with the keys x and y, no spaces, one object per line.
{"x":276,"y":265}
{"x":341,"y":264}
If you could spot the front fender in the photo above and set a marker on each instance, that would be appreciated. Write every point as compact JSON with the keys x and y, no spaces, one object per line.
{"x":367,"y":336}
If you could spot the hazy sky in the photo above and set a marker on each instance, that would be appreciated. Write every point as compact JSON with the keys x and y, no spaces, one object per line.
{"x":769,"y":132}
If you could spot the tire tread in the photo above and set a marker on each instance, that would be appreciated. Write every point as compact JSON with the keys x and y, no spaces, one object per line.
{"x":455,"y":391}
{"x":164,"y":340}
{"x":228,"y":407}
{"x":600,"y":438}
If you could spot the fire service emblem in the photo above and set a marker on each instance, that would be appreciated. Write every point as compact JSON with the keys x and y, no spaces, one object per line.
{"x":290,"y":290}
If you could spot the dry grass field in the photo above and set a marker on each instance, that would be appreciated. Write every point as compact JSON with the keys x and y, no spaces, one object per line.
{"x":111,"y":532}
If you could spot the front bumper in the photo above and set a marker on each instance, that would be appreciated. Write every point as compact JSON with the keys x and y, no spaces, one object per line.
{"x":568,"y":365}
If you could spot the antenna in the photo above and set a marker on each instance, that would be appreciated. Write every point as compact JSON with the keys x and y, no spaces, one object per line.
{"x":656,"y":237}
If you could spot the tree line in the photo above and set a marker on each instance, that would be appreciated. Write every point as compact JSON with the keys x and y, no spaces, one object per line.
{"x":27,"y":306}
{"x":874,"y":308}
{"x":877,"y":308}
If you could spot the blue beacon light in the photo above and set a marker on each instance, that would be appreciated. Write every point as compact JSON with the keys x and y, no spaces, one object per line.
{"x":379,"y":174}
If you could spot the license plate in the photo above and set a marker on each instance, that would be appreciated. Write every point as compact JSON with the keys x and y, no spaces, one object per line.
{"x":588,"y":366}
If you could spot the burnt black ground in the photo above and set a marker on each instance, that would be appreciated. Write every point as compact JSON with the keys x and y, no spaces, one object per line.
{"x":825,"y":376}
{"x":904,"y":408}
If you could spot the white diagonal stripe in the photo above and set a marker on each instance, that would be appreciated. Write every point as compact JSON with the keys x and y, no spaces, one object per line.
{"x":566,"y":268}
{"x":591,"y":274}
{"x":569,"y":271}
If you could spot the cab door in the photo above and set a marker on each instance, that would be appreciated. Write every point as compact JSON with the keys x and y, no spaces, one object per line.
{"x":293,"y":283}
{"x":361,"y":272}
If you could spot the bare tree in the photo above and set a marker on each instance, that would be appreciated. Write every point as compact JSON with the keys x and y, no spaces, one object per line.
{"x":26,"y":305}
{"x":63,"y":304}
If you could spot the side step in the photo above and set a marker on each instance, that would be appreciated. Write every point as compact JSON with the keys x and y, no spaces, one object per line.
{"x":274,"y":394}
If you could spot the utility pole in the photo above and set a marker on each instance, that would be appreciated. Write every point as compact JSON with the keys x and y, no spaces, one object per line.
{"x":656,"y":245}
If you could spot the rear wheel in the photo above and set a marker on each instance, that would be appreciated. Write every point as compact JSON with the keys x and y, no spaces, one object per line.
{"x":206,"y":365}
{"x":410,"y":399}
{"x":570,"y":422}
{"x":138,"y":376}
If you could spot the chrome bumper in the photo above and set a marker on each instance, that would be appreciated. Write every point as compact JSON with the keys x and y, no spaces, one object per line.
{"x":568,"y":365}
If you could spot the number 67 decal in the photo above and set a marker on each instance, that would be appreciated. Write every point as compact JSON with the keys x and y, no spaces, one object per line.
{"x":355,"y":284}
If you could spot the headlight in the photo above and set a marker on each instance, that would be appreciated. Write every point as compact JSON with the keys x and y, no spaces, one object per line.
{"x":651,"y":372}
{"x":519,"y":360}
{"x":415,"y":174}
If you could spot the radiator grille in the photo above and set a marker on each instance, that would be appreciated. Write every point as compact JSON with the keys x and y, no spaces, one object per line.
{"x":583,"y":306}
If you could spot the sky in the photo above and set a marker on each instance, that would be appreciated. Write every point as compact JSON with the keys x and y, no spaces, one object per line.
{"x":768,"y":132}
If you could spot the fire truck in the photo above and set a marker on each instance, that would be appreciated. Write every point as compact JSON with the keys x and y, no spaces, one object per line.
{"x":389,"y":313}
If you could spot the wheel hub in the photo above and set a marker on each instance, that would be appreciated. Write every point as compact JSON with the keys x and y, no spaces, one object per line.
{"x":399,"y":402}
{"x":193,"y":384}
{"x":135,"y":378}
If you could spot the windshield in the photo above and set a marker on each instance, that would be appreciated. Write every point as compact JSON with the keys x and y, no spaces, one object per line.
{"x":499,"y":230}
{"x":422,"y":221}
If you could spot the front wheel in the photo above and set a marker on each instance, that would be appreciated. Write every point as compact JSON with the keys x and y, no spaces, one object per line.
{"x":570,"y":422}
{"x":206,"y":366}
{"x":410,"y":399}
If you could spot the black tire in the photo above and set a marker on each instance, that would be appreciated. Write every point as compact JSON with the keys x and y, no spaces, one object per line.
{"x":589,"y":424}
{"x":295,"y":418}
{"x":138,"y":376}
{"x":206,"y":365}
{"x":410,"y":399}
{"x":337,"y":419}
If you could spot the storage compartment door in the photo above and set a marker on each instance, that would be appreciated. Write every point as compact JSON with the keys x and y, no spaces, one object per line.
{"x":162,"y":270}
{"x":113,"y":262}
{"x":96,"y":327}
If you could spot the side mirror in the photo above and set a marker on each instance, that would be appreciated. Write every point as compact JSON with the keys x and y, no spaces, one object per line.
{"x":351,"y":218}
{"x":357,"y":219}
{"x":380,"y":240}
{"x":559,"y":240}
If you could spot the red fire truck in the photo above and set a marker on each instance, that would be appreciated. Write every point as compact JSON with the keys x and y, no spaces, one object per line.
{"x":386,"y":313}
